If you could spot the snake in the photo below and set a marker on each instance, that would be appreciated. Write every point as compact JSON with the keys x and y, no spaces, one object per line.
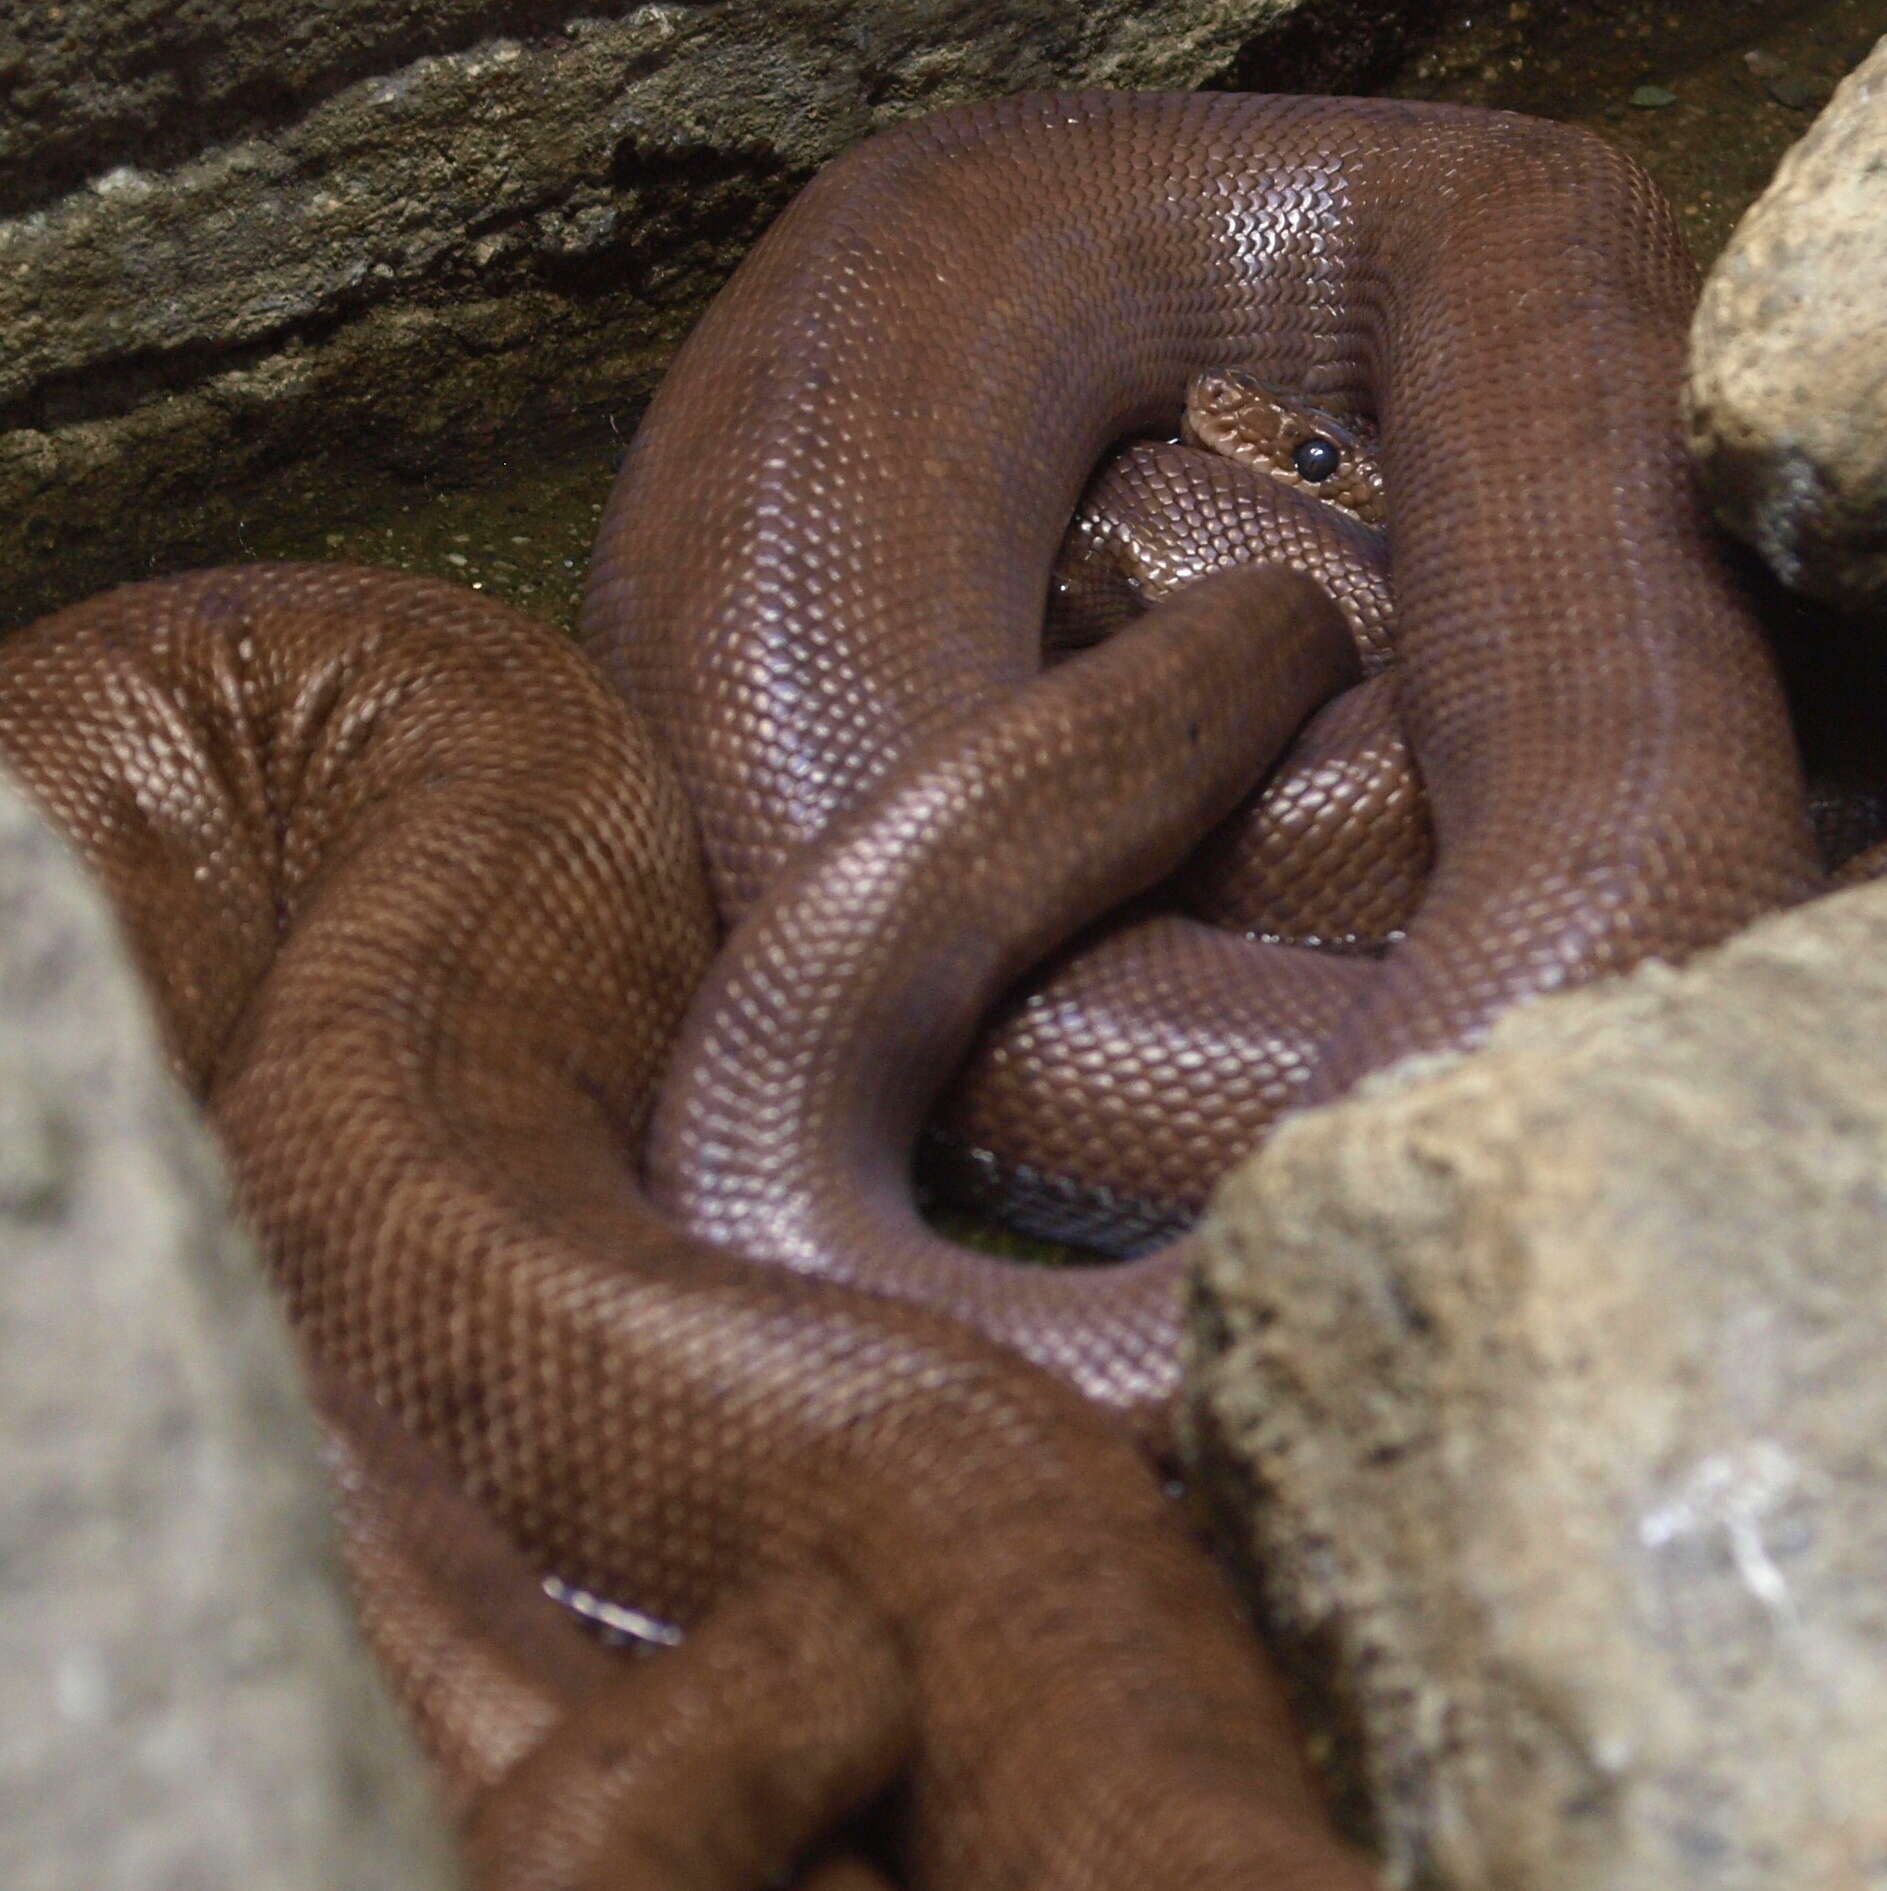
{"x":571,"y":1018}
{"x":1604,"y":753}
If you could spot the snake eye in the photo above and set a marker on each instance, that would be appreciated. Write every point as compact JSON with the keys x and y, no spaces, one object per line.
{"x":1315,"y":459}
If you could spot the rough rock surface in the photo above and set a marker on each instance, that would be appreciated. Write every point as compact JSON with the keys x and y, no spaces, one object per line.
{"x":237,"y":236}
{"x":1545,"y":1384}
{"x":1787,"y":402}
{"x":183,"y":1701}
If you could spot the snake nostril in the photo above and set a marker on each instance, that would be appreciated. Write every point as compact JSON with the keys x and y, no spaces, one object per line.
{"x":1315,"y":459}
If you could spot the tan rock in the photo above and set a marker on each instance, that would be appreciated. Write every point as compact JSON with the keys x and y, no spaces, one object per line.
{"x":1548,"y":1385}
{"x":184,"y":1702}
{"x":1787,"y":400}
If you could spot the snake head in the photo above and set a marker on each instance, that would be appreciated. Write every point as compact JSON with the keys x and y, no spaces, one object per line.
{"x":1231,"y":412}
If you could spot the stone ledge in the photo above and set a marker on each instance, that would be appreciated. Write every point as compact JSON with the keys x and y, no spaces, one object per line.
{"x":392,"y":265}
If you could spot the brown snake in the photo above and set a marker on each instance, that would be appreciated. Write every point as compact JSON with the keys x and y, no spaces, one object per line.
{"x":1608,"y":766}
{"x":422,"y":908}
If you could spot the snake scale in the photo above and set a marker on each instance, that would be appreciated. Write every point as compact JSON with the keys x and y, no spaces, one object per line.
{"x":425,"y":913}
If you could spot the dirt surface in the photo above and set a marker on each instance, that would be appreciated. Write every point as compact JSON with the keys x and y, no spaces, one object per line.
{"x":1707,"y":98}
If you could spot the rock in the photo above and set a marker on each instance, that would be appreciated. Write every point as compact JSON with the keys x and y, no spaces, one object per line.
{"x":183,"y":1699}
{"x":1787,"y":398}
{"x":240,"y":238}
{"x":1544,"y":1388}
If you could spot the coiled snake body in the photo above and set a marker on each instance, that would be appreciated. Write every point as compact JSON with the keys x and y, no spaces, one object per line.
{"x":423,"y":910}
